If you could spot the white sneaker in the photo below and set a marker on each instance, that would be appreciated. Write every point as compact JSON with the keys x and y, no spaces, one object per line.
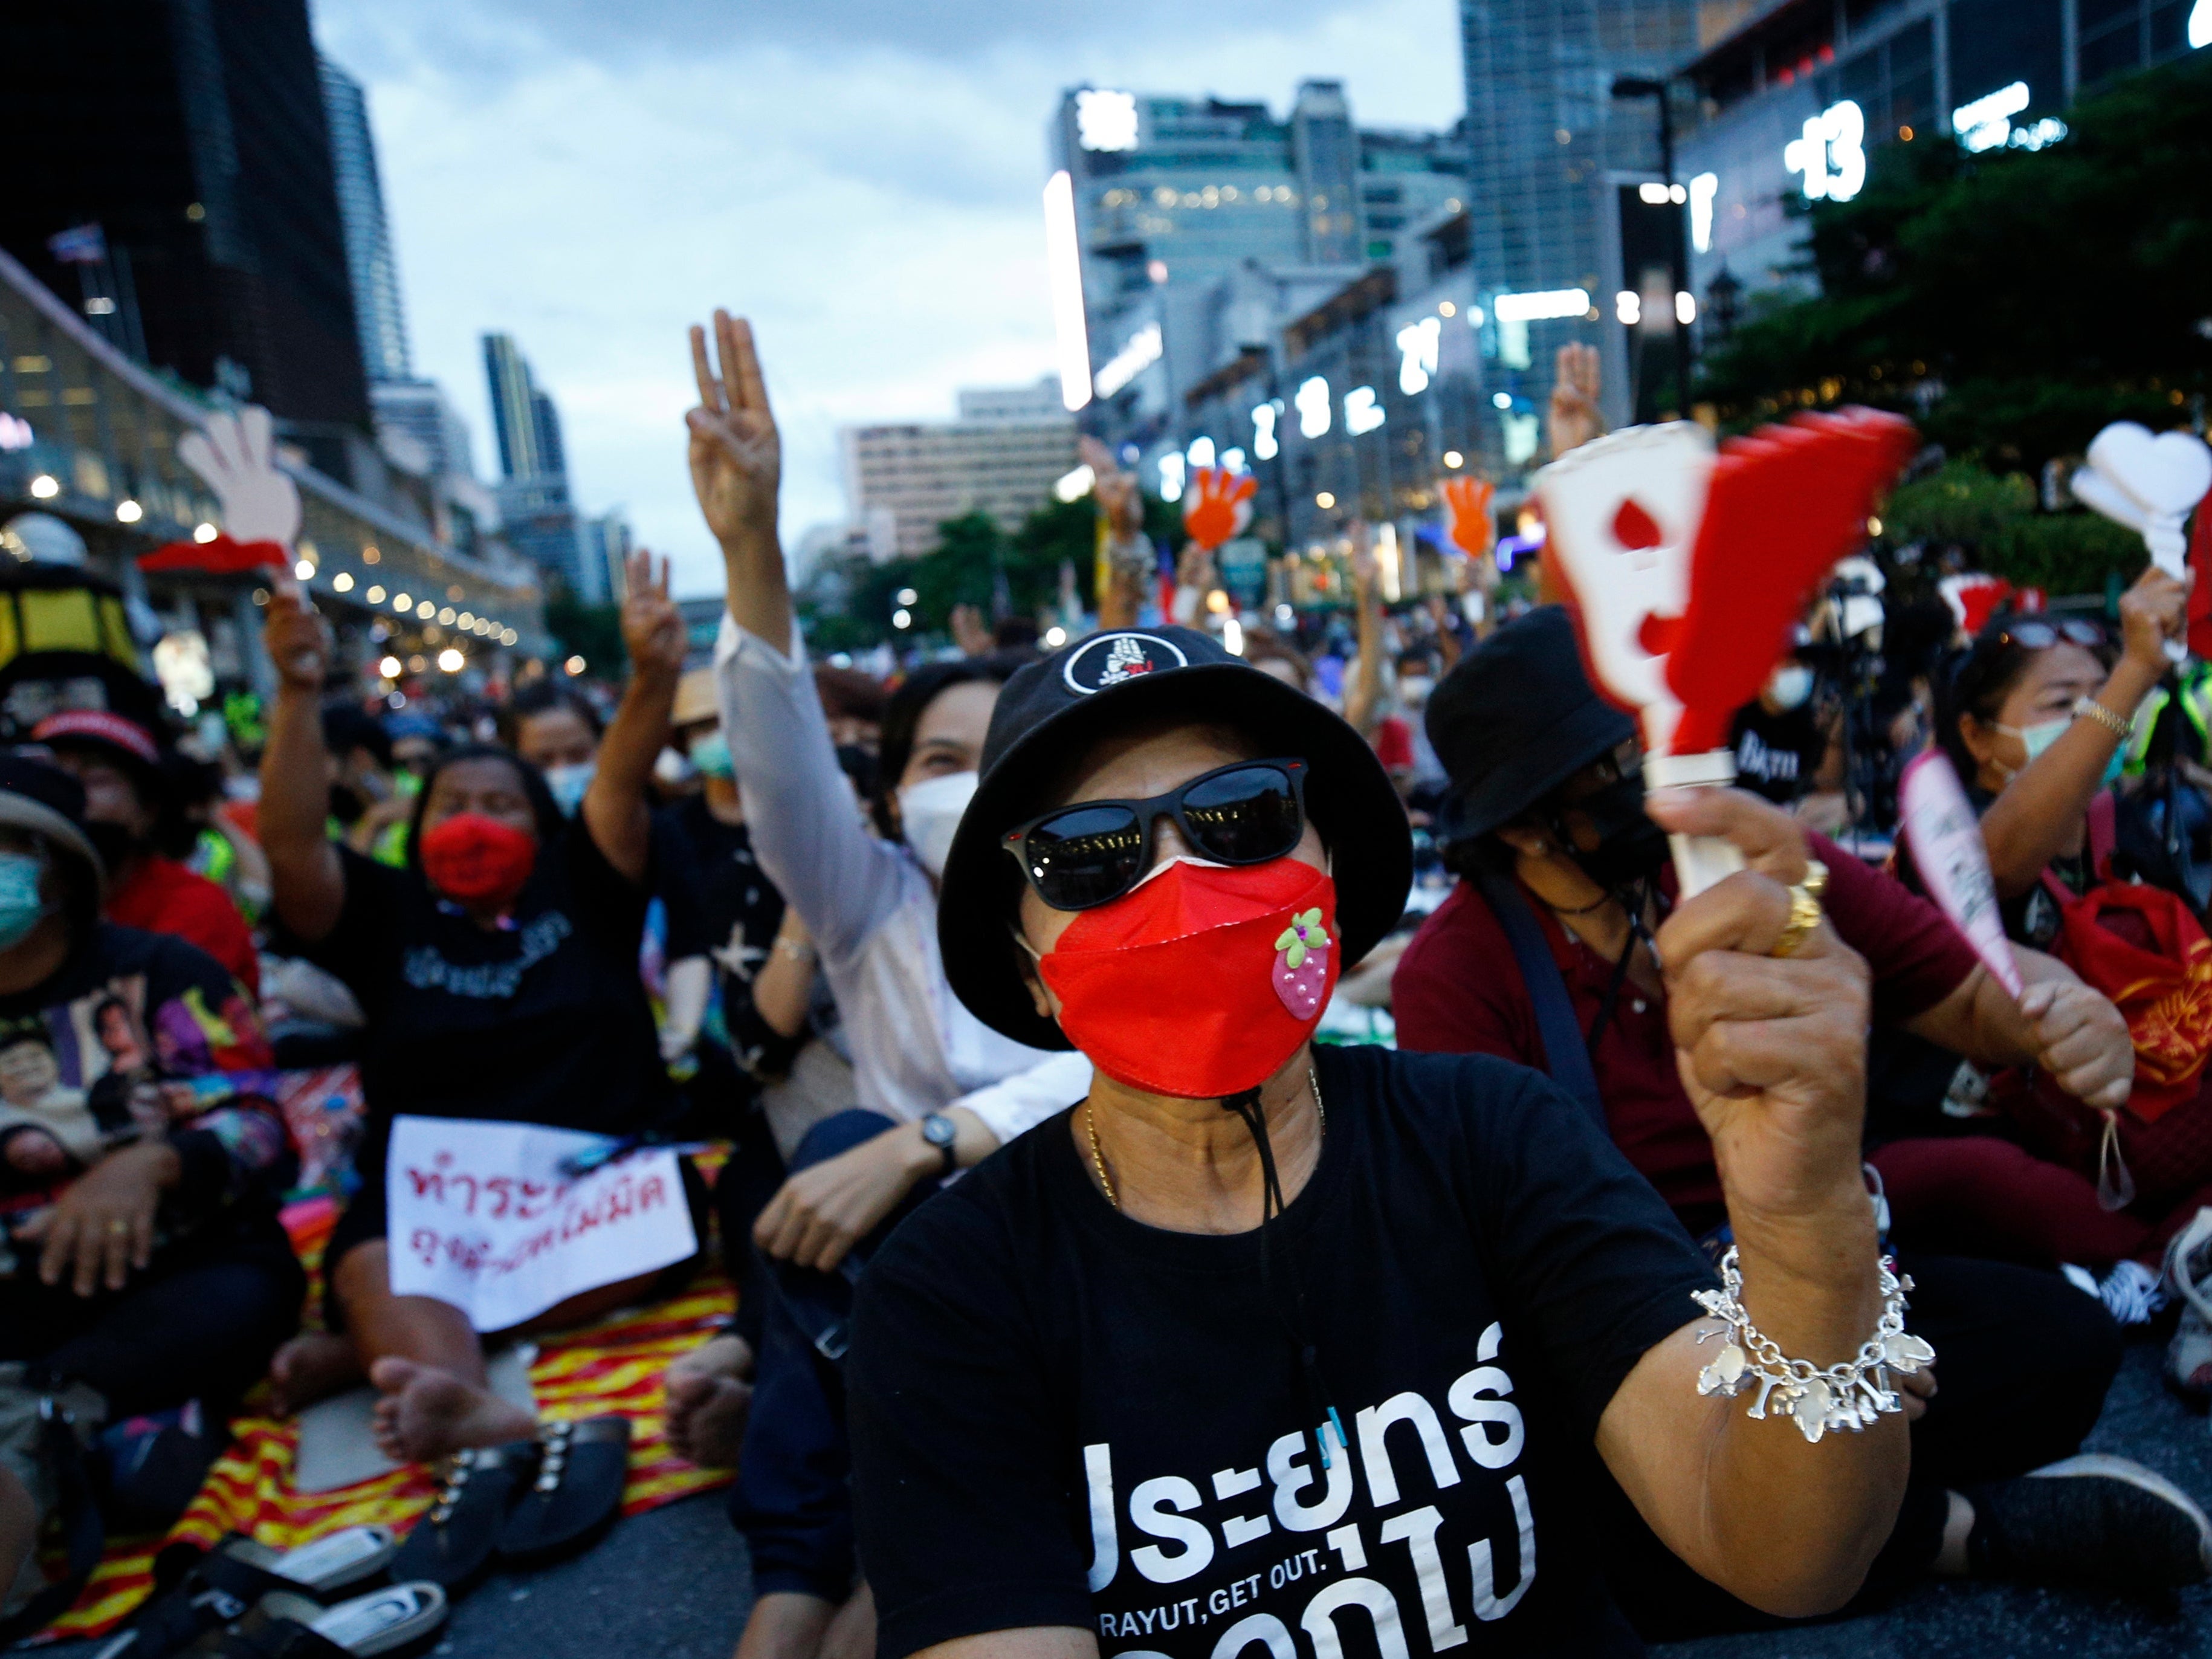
{"x":2189,"y":1272}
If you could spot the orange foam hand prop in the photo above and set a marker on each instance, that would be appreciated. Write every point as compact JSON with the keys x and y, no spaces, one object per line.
{"x":1472,"y":529}
{"x":1217,"y":504}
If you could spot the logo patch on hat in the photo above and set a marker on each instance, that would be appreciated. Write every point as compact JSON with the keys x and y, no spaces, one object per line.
{"x":1111,"y":659}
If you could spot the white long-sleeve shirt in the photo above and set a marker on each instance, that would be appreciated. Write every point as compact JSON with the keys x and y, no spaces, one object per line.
{"x":872,"y":912}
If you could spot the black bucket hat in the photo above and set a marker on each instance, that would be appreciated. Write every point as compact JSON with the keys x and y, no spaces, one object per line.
{"x":1515,"y":719}
{"x":37,"y":795}
{"x":1051,"y":710}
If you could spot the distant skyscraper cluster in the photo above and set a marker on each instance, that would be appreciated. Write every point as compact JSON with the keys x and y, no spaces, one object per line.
{"x":540,"y":517}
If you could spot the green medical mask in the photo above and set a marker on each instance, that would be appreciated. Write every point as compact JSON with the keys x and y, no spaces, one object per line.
{"x":22,"y":906}
{"x":711,"y":754}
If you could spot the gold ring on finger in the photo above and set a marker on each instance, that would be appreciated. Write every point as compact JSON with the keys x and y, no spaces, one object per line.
{"x":1805,"y":915}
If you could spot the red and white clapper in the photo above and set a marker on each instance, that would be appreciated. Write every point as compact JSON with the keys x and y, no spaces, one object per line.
{"x":1686,"y":568}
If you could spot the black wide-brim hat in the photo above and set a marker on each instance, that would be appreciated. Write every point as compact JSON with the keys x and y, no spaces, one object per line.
{"x":1051,"y":711}
{"x":1515,"y":720}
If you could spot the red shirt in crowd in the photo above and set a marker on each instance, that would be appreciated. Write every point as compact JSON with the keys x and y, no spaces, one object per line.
{"x":162,"y":896}
{"x":1457,"y":990}
{"x":1393,"y":744}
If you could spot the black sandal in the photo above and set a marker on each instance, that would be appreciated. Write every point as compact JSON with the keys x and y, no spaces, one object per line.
{"x":454,"y":1543}
{"x":577,"y":1495}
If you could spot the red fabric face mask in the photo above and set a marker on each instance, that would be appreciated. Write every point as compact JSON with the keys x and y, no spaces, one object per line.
{"x":475,"y":859}
{"x":1204,"y":979}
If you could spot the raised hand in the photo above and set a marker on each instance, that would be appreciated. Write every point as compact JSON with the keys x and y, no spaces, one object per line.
{"x":2153,"y":611}
{"x":652,"y":627}
{"x":1119,"y":498}
{"x":968,"y":633}
{"x":1574,"y":416}
{"x":235,"y":455}
{"x":1771,"y":1050}
{"x":297,"y":639}
{"x":736,"y":453}
{"x":1217,"y":504}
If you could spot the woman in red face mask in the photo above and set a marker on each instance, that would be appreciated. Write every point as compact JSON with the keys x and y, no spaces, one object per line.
{"x":1266,"y":1337}
{"x":498,"y":973}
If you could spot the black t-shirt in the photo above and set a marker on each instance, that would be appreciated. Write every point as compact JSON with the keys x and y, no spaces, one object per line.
{"x":1776,"y":754}
{"x":720,"y":903}
{"x":1061,"y":1416}
{"x":543,"y":1020}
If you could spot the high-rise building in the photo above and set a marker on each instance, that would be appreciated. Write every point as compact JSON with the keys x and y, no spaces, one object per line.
{"x":193,"y":135}
{"x":535,"y":507}
{"x":1549,"y":149}
{"x":421,"y":410}
{"x":1184,"y":217}
{"x":1002,"y":456}
{"x":1800,"y":97}
{"x":377,"y":312}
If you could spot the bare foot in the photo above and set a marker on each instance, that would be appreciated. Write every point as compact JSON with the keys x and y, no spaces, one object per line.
{"x":709,"y":1396}
{"x":427,"y":1413}
{"x":310,"y":1367}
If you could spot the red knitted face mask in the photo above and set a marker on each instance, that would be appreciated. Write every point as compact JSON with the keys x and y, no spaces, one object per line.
{"x":475,"y":859}
{"x":1202,"y":981}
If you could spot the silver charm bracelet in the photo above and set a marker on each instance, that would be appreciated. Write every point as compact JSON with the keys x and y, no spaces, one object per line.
{"x":1845,"y":1396}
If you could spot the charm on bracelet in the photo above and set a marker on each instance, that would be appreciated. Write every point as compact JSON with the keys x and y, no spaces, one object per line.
{"x":1818,"y":1400}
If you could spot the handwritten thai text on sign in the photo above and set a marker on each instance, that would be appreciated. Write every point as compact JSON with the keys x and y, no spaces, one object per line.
{"x":482,"y":1217}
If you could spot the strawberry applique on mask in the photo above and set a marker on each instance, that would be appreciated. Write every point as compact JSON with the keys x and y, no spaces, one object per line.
{"x":1301,"y":977}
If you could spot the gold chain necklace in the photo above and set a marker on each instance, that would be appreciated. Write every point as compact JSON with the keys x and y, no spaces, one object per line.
{"x":1098,"y":1159}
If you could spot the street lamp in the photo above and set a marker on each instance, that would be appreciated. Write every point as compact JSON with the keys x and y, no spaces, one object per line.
{"x":1626,"y":86}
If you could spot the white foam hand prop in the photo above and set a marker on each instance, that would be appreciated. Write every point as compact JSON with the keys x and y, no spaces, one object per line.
{"x":1620,"y":514}
{"x":2148,"y":483}
{"x":236,"y":455}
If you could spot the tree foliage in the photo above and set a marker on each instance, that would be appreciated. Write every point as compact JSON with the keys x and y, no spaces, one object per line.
{"x":1994,"y":521}
{"x":2012,"y":302}
{"x":592,"y":632}
{"x":848,"y":602}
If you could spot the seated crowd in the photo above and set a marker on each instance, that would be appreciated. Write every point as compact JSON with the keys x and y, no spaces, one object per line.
{"x":768,"y":903}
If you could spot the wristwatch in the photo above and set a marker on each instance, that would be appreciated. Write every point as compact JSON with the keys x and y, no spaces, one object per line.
{"x":942,"y":1132}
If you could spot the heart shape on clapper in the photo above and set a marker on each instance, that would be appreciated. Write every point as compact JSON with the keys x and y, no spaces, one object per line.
{"x":2166,"y":474}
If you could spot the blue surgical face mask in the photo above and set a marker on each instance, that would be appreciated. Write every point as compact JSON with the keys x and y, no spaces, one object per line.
{"x":711,"y":754}
{"x":22,"y":906}
{"x":1791,"y":686}
{"x":569,"y":784}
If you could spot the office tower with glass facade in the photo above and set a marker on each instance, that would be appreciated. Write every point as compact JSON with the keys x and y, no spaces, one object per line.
{"x":192,"y":135}
{"x":539,"y":518}
{"x":1193,"y":223}
{"x":375,"y":275}
{"x":1548,"y":150}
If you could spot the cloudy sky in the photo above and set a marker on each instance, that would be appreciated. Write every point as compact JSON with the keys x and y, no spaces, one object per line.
{"x":861,"y":177}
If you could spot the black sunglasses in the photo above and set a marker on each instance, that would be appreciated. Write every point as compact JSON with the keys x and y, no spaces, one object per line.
{"x":1082,"y":856}
{"x":2042,"y":635}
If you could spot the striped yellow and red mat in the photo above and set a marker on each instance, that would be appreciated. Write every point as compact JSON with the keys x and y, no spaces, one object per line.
{"x":614,"y":1367}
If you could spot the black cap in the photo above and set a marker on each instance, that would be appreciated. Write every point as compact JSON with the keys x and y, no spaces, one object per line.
{"x":1051,"y":710}
{"x":1515,"y":719}
{"x":39,"y":796}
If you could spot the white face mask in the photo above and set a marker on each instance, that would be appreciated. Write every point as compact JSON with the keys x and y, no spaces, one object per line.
{"x":1413,"y":690}
{"x":1791,"y":686}
{"x":929,"y":813}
